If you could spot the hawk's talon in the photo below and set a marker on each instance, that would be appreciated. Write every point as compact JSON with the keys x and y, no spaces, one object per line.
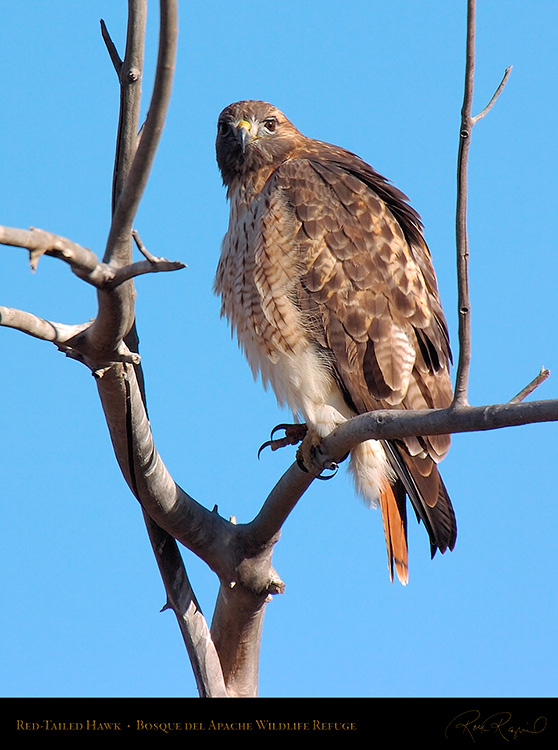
{"x":306,"y":456}
{"x":287,"y":427}
{"x":262,"y":446}
{"x":332,"y":467}
{"x":294,"y":433}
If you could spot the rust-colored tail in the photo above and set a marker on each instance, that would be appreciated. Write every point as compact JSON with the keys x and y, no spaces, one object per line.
{"x":395,"y":531}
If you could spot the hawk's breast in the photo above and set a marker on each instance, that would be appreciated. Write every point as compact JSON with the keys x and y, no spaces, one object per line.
{"x":257,"y":275}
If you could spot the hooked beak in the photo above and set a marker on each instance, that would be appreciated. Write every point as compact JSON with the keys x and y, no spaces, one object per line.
{"x":244,"y":133}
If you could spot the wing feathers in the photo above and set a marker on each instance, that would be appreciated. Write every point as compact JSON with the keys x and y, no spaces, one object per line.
{"x":370,"y":273}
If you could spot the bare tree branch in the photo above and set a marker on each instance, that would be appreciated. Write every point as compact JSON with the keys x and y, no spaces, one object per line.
{"x":128,"y":199}
{"x":393,"y":425}
{"x":180,"y":598}
{"x":467,"y":123}
{"x":140,"y":267}
{"x":99,"y":345}
{"x":279,"y":504}
{"x":203,"y":656}
{"x":130,"y":76}
{"x":236,"y":631}
{"x":39,"y":242}
{"x":242,"y":563}
{"x":46,"y":330}
{"x":82,"y":261}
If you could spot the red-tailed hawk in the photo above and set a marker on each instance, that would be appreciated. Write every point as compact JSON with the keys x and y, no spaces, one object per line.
{"x":328,"y":283}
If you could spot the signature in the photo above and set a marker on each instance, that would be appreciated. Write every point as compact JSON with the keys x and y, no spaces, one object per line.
{"x":472,"y":724}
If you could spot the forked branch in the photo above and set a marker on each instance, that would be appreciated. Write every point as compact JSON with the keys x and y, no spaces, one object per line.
{"x":83,"y":262}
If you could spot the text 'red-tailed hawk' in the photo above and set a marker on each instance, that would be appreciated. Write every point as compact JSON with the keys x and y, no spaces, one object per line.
{"x":328,"y":283}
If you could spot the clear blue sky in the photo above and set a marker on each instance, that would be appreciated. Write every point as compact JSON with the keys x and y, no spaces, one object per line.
{"x":80,"y":592}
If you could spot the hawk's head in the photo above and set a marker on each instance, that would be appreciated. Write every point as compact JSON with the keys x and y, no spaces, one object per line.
{"x":252,"y":135}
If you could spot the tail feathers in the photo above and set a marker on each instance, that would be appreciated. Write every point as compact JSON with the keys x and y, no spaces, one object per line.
{"x":376,"y":481}
{"x":428,"y":495}
{"x":385,"y":474}
{"x":394,"y":519}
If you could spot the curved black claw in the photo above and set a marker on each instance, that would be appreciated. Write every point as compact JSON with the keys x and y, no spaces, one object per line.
{"x":294,"y":433}
{"x":262,"y":446}
{"x":285,"y":427}
{"x":332,"y":467}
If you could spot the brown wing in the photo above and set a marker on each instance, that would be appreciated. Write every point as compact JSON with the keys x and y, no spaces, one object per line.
{"x":369,"y":294}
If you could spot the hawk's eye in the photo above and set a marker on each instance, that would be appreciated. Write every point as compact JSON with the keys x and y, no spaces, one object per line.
{"x":223,"y":127}
{"x":270,"y":124}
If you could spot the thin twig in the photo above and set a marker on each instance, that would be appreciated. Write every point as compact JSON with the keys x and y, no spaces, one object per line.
{"x":141,"y":247}
{"x":540,"y":378}
{"x":155,"y":259}
{"x":140,"y":267}
{"x":495,"y":96}
{"x":111,"y":48}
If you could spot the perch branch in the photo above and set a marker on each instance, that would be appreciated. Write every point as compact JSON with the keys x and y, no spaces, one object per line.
{"x":391,"y":424}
